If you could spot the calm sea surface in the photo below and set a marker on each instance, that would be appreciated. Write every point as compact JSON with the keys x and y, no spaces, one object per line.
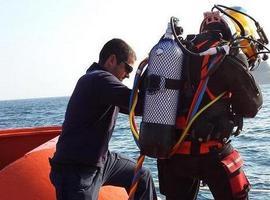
{"x":253,"y":143}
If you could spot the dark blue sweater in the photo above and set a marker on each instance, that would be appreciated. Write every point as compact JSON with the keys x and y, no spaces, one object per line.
{"x":90,"y":118}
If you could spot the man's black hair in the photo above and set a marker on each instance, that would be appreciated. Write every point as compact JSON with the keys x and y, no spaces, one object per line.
{"x":117,"y":47}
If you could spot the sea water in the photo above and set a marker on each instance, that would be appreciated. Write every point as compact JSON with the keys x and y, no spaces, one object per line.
{"x":253,"y":143}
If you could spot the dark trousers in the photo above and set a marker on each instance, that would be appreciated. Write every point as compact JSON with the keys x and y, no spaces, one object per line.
{"x":83,"y":183}
{"x":180,"y":176}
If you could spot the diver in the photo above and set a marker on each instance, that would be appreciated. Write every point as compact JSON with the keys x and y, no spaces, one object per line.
{"x":206,"y":155}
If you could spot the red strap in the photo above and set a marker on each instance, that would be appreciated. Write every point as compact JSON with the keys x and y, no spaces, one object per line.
{"x":198,"y":46}
{"x":180,"y":122}
{"x":233,"y":161}
{"x":203,"y":72}
{"x":205,"y":147}
{"x":204,"y":68}
{"x":210,"y":94}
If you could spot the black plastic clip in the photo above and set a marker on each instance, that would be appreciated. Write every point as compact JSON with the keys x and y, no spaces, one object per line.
{"x":153,"y":83}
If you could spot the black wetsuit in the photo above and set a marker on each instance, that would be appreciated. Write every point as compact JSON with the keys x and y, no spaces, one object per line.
{"x":82,"y":162}
{"x":180,"y":175}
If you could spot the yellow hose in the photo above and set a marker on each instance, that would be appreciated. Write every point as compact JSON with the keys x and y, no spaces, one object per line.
{"x":134,"y":130}
{"x":176,"y":146}
{"x":131,"y":117}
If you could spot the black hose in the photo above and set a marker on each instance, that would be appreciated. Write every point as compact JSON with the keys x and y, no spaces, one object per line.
{"x":260,"y":30}
{"x":235,"y":20}
{"x":250,"y":39}
{"x":180,"y":44}
{"x":187,"y":51}
{"x":222,"y":6}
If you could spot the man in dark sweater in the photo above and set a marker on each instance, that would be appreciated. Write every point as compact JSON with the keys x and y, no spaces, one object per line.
{"x":82,"y":162}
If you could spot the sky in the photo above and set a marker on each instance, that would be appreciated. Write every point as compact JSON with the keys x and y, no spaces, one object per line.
{"x":46,"y":45}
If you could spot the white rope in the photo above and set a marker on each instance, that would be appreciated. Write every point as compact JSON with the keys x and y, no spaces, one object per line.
{"x":205,"y":188}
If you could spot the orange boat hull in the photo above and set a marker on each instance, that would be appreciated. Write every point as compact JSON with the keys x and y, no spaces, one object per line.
{"x":25,"y":174}
{"x":15,"y":143}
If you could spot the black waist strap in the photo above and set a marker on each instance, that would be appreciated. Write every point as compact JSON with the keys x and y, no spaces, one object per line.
{"x":155,"y":82}
{"x":173,"y":84}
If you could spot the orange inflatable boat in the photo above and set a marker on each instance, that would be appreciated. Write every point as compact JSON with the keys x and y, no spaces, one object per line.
{"x":24,"y":167}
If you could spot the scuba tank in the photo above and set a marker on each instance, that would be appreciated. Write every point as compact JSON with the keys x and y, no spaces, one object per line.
{"x":164,"y":74}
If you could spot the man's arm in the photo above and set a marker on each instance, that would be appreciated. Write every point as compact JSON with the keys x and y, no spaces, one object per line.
{"x":113,"y":92}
